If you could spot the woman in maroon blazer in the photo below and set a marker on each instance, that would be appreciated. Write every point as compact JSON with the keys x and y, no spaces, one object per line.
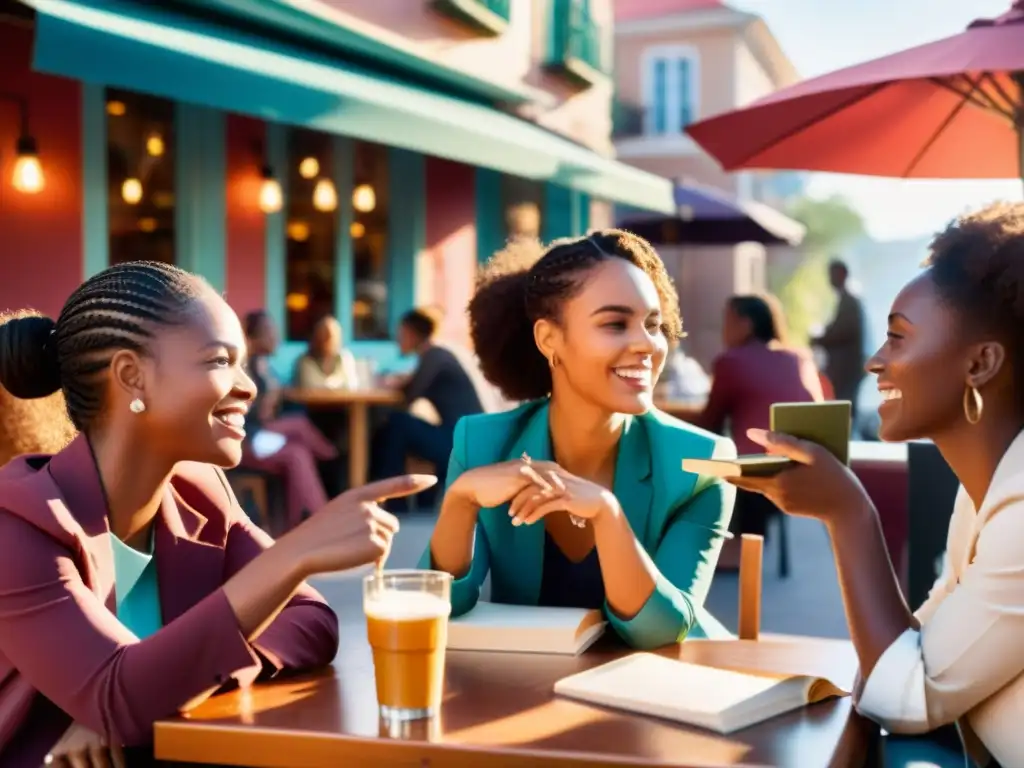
{"x":150,"y":360}
{"x":756,"y":370}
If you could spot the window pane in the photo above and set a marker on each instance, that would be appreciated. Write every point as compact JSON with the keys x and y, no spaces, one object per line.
{"x":312,"y":210}
{"x":522,"y":201}
{"x":685,"y":94}
{"x":140,"y":177}
{"x":370,"y":241}
{"x":660,"y":95}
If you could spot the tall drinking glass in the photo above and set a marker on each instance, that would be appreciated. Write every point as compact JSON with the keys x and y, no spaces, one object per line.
{"x":407,"y":627}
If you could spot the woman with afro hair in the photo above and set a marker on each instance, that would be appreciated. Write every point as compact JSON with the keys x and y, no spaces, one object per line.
{"x":576,"y":498}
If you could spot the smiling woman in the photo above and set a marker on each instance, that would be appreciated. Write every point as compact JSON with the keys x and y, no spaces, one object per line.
{"x":132,"y":586}
{"x":951,"y":371}
{"x":581,"y":331}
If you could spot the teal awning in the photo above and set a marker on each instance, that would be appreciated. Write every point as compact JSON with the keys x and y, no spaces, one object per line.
{"x":141,"y":48}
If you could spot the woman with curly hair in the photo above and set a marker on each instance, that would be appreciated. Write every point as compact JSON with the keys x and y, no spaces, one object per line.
{"x":576,"y":498}
{"x":31,"y":426}
{"x":952,"y":371}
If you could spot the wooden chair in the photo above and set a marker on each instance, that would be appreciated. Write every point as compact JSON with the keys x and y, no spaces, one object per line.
{"x":751,"y":562}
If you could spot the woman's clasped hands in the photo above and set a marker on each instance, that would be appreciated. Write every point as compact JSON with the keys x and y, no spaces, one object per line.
{"x":535,"y":489}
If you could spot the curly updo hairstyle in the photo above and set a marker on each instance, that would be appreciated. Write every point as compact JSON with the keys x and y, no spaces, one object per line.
{"x":525,"y":283}
{"x":977,"y":267}
{"x":113,"y":310}
{"x":31,"y":426}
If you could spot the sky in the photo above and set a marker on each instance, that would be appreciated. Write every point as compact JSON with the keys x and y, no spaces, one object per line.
{"x":823,"y":35}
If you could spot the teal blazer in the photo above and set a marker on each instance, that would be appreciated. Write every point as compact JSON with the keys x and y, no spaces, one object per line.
{"x":681,"y":519}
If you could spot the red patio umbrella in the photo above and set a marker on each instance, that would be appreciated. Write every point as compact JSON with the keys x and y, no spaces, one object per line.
{"x":953,"y":108}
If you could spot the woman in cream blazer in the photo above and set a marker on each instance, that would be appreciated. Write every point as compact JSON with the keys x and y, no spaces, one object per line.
{"x":952,"y":371}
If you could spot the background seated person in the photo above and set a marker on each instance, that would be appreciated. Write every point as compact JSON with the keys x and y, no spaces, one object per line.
{"x":440,"y":378}
{"x":604,"y":517}
{"x":758,"y":368}
{"x":292,"y":445}
{"x":326,"y":363}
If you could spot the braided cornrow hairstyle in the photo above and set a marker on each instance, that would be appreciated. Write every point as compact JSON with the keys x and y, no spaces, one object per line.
{"x":113,"y":310}
{"x":977,"y":267}
{"x":526,"y":282}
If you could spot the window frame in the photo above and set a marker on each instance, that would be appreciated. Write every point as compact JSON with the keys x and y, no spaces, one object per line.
{"x":672,"y":55}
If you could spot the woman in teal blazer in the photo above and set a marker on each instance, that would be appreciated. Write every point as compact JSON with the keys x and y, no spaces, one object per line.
{"x":581,"y":334}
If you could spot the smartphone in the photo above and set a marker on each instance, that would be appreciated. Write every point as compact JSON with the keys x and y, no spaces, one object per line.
{"x":827,"y":424}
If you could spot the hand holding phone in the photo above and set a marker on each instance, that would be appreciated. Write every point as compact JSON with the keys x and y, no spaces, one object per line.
{"x":827,"y":424}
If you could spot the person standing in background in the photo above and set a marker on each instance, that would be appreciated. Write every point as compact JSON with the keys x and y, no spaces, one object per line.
{"x":843,"y":339}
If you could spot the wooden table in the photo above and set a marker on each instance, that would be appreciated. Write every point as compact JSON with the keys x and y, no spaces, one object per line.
{"x":499,"y":710}
{"x":357,"y":402}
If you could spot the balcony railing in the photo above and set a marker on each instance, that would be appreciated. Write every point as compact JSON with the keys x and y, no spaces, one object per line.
{"x":627,"y":120}
{"x":488,"y":16}
{"x":576,"y":45}
{"x":630,"y":120}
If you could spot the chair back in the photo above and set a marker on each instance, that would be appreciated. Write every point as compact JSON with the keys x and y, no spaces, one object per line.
{"x":751,"y":561}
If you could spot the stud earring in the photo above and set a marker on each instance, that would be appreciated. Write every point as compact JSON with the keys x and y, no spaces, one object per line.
{"x":137,"y":406}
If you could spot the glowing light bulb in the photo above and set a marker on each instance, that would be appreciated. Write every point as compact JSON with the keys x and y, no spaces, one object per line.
{"x":325,"y":197}
{"x":131,"y":191}
{"x":27,"y":176}
{"x":271,"y":197}
{"x":357,"y":230}
{"x":155,"y":145}
{"x":364,"y":199}
{"x":309,"y":168}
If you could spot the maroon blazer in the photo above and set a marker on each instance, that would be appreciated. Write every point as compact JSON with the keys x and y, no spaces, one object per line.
{"x":65,"y":657}
{"x":746,"y":381}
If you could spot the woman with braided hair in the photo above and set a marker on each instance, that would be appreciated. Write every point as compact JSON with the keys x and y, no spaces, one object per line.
{"x":132,"y":586}
{"x":577,"y":498}
{"x":951,"y":371}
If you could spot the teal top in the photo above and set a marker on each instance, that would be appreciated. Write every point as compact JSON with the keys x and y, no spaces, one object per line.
{"x":679,"y":518}
{"x":138,"y":599}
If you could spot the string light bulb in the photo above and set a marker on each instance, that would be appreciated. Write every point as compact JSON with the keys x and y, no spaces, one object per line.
{"x":364,"y":199}
{"x":271,"y":196}
{"x":325,"y":196}
{"x":27,"y":176}
{"x":131,"y":191}
{"x":155,"y":145}
{"x":309,"y":168}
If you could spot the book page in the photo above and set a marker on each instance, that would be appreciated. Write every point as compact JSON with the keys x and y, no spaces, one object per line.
{"x":528,"y":617}
{"x":700,"y":695}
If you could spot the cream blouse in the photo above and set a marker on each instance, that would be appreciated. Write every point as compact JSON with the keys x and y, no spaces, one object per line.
{"x":965,"y":663}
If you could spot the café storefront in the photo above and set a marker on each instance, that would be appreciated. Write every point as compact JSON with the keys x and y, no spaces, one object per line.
{"x":291,"y":179}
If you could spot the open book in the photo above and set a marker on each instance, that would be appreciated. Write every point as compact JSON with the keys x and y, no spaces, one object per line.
{"x":525,"y":629}
{"x":717,"y":699}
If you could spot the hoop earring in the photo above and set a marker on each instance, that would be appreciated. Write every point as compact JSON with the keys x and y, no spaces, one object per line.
{"x":974,"y":406}
{"x":553,"y":361}
{"x":136,"y":405}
